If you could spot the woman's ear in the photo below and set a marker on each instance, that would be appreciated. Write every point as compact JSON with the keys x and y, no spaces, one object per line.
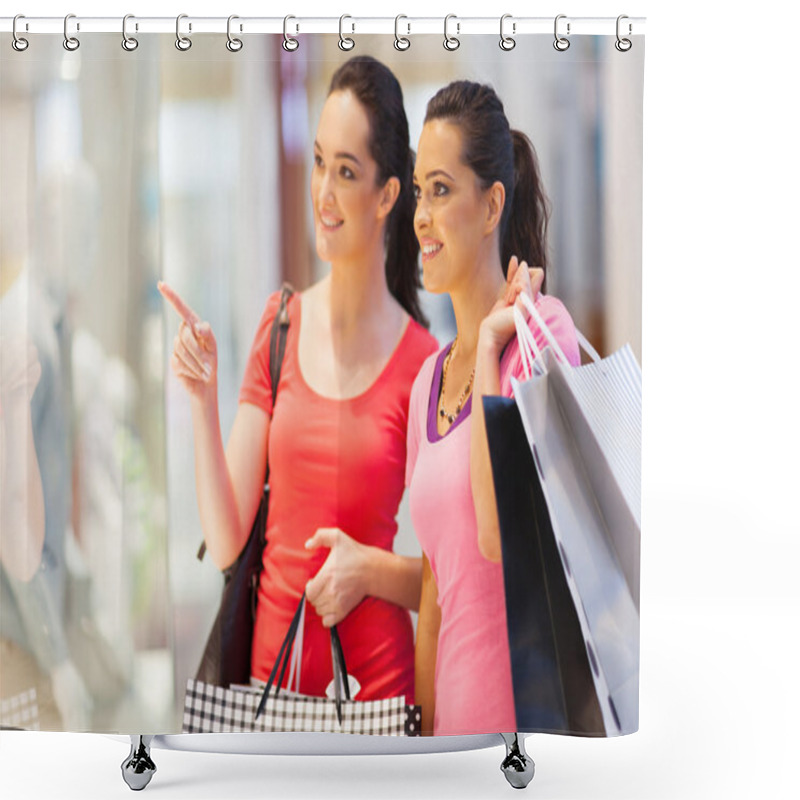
{"x":389,"y":194}
{"x":495,"y":202}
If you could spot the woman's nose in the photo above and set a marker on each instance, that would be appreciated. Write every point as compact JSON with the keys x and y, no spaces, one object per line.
{"x":422,"y":215}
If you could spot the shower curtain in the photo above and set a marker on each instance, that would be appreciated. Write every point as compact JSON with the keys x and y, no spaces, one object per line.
{"x":196,"y":167}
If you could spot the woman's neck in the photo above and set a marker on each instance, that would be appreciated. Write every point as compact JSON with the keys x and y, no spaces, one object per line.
{"x":472,"y":302}
{"x":358,"y":294}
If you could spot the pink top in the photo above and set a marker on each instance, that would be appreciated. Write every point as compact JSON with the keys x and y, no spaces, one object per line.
{"x":336,"y":464}
{"x":473,"y":686}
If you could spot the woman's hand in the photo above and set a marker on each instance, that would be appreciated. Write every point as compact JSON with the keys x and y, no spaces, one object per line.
{"x":194,"y":351}
{"x":498,"y":326}
{"x":341,"y":583}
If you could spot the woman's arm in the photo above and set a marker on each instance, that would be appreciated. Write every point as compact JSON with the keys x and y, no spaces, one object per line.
{"x":354,"y":571}
{"x":430,"y":619}
{"x":495,"y":332}
{"x":229,"y":482}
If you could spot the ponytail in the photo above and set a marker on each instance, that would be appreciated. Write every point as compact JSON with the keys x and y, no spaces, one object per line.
{"x":525,"y":233}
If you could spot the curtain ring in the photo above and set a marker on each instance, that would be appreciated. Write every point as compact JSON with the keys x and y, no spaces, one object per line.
{"x":129,"y":43}
{"x":623,"y":45}
{"x":401,"y":42}
{"x":183,"y":43}
{"x":451,"y":43}
{"x":233,"y":44}
{"x":290,"y":44}
{"x":18,"y":43}
{"x":345,"y":42}
{"x":561,"y":43}
{"x":507,"y":42}
{"x":70,"y":42}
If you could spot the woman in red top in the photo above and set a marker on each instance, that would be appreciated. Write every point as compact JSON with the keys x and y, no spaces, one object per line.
{"x":336,"y":437}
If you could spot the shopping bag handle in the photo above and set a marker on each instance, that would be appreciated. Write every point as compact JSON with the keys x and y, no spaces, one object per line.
{"x":291,"y":649}
{"x":530,"y":350}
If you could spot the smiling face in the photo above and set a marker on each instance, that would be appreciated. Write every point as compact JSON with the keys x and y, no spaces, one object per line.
{"x":452,"y":215}
{"x":349,"y":212}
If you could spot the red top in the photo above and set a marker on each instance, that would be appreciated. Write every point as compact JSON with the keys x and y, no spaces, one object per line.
{"x":339,"y":464}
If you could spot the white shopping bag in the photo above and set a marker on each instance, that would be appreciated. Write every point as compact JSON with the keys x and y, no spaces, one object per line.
{"x":584,"y":428}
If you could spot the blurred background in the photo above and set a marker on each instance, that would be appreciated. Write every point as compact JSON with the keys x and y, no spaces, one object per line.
{"x":122,"y":168}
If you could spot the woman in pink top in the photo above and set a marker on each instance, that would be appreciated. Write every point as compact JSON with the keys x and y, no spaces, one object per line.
{"x":480,"y":205}
{"x":335,"y":438}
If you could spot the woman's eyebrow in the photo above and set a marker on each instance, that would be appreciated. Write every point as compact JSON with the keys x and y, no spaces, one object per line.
{"x":435,"y":172}
{"x":340,"y":154}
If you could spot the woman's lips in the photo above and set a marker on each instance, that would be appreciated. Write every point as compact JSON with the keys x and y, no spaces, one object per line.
{"x":329,"y":222}
{"x":430,"y":249}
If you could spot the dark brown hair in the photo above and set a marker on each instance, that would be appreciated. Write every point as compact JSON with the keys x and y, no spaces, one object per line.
{"x":494,"y":152}
{"x":380,"y":94}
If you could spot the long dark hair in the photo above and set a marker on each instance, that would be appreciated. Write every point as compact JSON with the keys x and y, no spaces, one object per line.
{"x":494,"y":152}
{"x":380,"y":94}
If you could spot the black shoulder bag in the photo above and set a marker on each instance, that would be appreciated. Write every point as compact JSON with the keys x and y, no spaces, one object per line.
{"x":226,"y":658}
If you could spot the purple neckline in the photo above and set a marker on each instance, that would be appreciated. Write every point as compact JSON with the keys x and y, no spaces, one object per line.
{"x":433,"y":402}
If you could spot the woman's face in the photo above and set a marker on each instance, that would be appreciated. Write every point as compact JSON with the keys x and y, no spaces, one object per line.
{"x":451,"y":216}
{"x":348,"y":217}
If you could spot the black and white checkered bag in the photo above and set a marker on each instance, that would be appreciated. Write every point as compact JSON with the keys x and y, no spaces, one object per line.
{"x":20,"y":711}
{"x":213,"y":709}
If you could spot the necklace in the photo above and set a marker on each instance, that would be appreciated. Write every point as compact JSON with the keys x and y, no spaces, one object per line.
{"x":464,"y":394}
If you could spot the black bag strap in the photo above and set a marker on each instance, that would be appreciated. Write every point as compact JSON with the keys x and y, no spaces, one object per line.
{"x":277,"y":350}
{"x":340,"y":678}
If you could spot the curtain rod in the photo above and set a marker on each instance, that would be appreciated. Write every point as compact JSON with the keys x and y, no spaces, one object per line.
{"x":405,"y":26}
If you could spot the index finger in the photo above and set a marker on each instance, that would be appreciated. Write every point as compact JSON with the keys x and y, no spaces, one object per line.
{"x":174,"y":299}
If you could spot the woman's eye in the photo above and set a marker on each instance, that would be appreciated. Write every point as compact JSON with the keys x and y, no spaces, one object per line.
{"x":347,"y":173}
{"x":417,"y":192}
{"x":439,"y":189}
{"x":318,"y":160}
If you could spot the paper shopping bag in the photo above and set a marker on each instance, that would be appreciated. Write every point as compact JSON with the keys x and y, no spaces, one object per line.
{"x":553,"y":686}
{"x":583,"y":427}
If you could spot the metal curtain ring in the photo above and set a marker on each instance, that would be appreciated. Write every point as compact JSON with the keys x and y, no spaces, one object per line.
{"x":183,"y":43}
{"x":290,"y":44}
{"x":70,"y":42}
{"x":401,"y":42}
{"x":451,"y":43}
{"x":345,"y":42}
{"x":233,"y":44}
{"x":561,"y":43}
{"x":623,"y":45}
{"x":507,"y":42}
{"x":17,"y":42}
{"x":129,"y":43}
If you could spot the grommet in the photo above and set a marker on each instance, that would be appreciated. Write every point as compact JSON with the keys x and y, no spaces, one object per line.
{"x":71,"y":43}
{"x":561,"y":43}
{"x":623,"y":44}
{"x":233,"y":44}
{"x":507,"y":42}
{"x":183,"y":43}
{"x":450,"y":43}
{"x":345,"y":42}
{"x":17,"y":42}
{"x":401,"y":42}
{"x":290,"y":44}
{"x":129,"y":43}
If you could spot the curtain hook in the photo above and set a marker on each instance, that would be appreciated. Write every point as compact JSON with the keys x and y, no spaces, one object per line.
{"x":345,"y":42}
{"x":18,"y":43}
{"x":290,"y":44}
{"x":401,"y":42}
{"x":183,"y":43}
{"x":561,"y":43}
{"x":129,"y":43}
{"x":507,"y":42}
{"x":451,"y":43}
{"x":623,"y":45}
{"x":233,"y":44}
{"x":70,"y":42}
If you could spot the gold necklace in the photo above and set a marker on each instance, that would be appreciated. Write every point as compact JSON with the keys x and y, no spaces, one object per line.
{"x":464,"y":394}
